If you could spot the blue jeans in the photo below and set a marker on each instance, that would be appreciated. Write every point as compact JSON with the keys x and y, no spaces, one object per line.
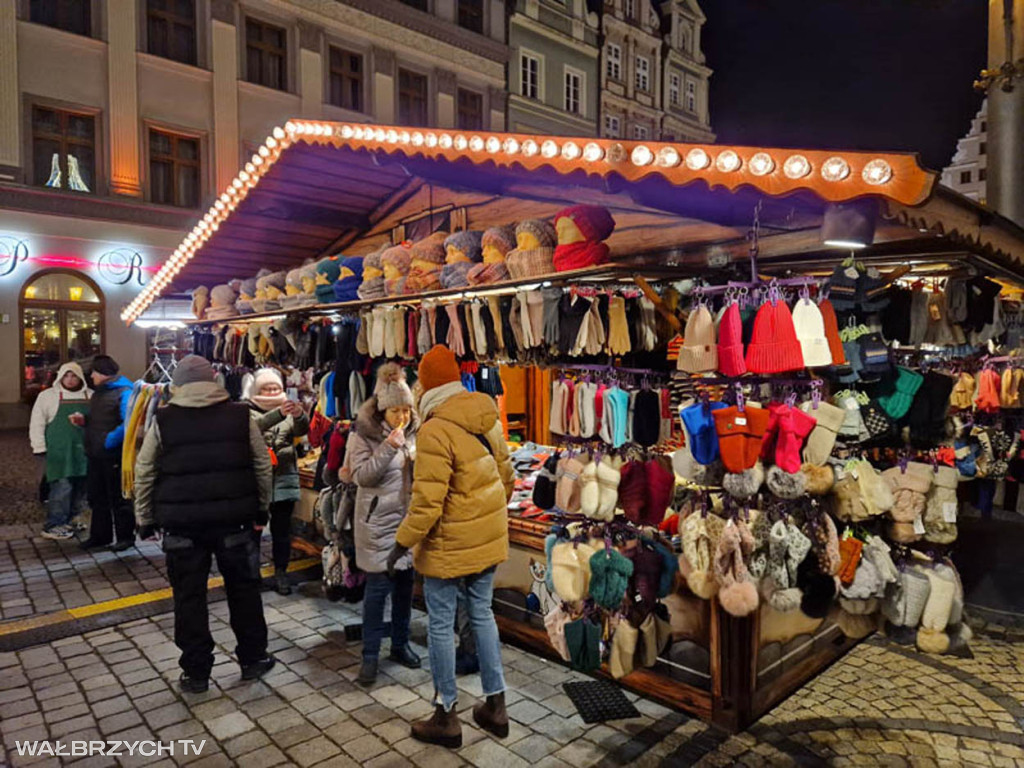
{"x":441,"y":597}
{"x":66,"y":499}
{"x":378,"y":587}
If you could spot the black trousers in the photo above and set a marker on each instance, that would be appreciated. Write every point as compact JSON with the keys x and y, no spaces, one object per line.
{"x":281,"y":532}
{"x":189,"y":558}
{"x":112,"y":513}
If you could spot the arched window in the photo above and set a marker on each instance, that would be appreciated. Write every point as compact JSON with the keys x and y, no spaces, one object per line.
{"x":61,"y":320}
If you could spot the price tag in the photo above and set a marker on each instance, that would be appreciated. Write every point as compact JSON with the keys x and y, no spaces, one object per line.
{"x":851,"y":272}
{"x":485,"y":373}
{"x":919,"y":526}
{"x":741,"y":421}
{"x":949,"y":511}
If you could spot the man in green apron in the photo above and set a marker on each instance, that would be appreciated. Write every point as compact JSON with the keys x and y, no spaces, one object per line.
{"x":58,"y":441}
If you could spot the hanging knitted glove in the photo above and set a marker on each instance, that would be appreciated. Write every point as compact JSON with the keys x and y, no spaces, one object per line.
{"x":479,"y":329}
{"x":551,"y":298}
{"x":595,"y":331}
{"x":618,"y":327}
{"x":455,"y":340}
{"x":529,"y":341}
{"x":648,"y":325}
{"x":363,"y":337}
{"x":494,"y":307}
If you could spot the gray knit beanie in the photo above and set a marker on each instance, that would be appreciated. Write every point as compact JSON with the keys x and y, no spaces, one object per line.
{"x":391,"y":389}
{"x":191,"y":369}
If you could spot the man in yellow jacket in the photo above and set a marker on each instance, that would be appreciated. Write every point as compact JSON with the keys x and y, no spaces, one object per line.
{"x":458,"y":524}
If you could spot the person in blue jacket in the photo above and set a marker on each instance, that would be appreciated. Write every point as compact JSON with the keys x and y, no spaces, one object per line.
{"x":113,"y":519}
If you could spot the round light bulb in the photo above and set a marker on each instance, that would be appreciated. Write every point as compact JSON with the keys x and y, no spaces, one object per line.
{"x":641,"y":155}
{"x":530,"y":148}
{"x":761,"y":164}
{"x":430,"y":140}
{"x":493,"y":144}
{"x":460,"y":142}
{"x":417,"y":139}
{"x":264,"y":151}
{"x":403,"y":137}
{"x":593,"y":152}
{"x":796,"y":166}
{"x":668,"y":157}
{"x":728,"y":161}
{"x":278,"y":134}
{"x":476,"y":144}
{"x":571,"y":150}
{"x":697,"y":159}
{"x":877,"y":172}
{"x":346,"y":131}
{"x":380,"y":134}
{"x":391,"y":137}
{"x":445,"y":141}
{"x":549,"y":149}
{"x":835,"y":169}
{"x":511,"y":146}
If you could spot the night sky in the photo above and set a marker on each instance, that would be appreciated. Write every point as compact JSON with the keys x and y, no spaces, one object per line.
{"x":845,"y":74}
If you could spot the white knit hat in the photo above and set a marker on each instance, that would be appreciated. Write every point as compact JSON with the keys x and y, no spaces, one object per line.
{"x":266,"y":376}
{"x":391,"y":390}
{"x":699,"y":352}
{"x":810,"y":331}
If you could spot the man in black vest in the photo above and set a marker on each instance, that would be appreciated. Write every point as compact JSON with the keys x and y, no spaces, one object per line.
{"x":203,"y":477}
{"x":104,"y":435}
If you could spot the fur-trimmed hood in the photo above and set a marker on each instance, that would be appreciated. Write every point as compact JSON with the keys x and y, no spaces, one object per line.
{"x":370,"y":422}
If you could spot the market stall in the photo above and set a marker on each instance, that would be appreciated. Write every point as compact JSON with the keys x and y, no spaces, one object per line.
{"x":727,"y":473}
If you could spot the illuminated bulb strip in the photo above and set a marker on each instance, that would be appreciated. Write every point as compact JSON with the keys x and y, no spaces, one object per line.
{"x":530,"y":148}
{"x":460,"y":142}
{"x":796,"y":166}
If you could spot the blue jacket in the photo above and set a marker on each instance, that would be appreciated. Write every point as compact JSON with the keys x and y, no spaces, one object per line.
{"x":104,"y":430}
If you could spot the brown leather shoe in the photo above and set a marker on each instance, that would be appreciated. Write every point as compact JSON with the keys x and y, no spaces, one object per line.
{"x":441,"y":728}
{"x":492,"y":715}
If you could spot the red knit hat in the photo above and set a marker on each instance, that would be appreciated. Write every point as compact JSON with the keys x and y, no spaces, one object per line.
{"x":438,"y":367}
{"x":835,"y":344}
{"x":633,"y":491}
{"x":730,"y":342}
{"x":774,"y":347}
{"x":661,"y":487}
{"x":593,"y":221}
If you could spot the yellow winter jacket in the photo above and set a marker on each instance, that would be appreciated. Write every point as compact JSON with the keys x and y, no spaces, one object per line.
{"x":458,"y":516}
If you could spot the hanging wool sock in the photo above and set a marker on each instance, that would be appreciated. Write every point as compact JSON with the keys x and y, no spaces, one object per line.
{"x":609,"y":474}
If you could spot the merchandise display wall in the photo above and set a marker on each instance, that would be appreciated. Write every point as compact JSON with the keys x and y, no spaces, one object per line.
{"x":739,"y":451}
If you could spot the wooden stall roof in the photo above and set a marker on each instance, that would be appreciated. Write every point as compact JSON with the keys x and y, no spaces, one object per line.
{"x":315,"y":188}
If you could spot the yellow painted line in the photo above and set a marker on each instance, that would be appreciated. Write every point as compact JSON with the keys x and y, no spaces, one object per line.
{"x":120,"y":603}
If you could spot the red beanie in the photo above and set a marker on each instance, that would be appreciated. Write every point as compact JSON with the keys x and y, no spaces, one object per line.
{"x":730,"y":342}
{"x":774,"y":347}
{"x":835,"y":344}
{"x":593,"y":221}
{"x":438,"y":367}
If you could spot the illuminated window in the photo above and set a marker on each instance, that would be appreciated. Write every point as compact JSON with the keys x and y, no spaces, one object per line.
{"x":266,"y":51}
{"x":174,"y":169}
{"x":171,"y":29}
{"x":61,"y":321}
{"x":63,"y":149}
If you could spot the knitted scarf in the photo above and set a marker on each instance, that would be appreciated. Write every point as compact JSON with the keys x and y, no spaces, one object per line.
{"x":434,"y":398}
{"x":485,"y":274}
{"x":578,"y":255}
{"x":372,"y":288}
{"x":455,"y":275}
{"x":267,"y":403}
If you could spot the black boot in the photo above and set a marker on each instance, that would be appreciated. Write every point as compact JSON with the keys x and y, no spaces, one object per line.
{"x":368,"y":671}
{"x":258,"y":668}
{"x":406,"y":656}
{"x":191,"y":684}
{"x":281,"y":582}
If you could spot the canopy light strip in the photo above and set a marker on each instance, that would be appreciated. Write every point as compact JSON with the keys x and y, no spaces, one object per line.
{"x":832,"y":176}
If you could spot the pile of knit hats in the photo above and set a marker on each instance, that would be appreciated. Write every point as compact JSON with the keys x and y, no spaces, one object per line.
{"x":463,"y":252}
{"x":854,"y":288}
{"x":924,"y":606}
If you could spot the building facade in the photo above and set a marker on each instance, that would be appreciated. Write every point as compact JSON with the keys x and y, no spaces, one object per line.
{"x":966,"y":172}
{"x":553,"y":69}
{"x":654,"y":82}
{"x":123,"y":119}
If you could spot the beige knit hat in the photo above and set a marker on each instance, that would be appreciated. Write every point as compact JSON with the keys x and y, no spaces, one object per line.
{"x":822,"y":439}
{"x":810,"y":331}
{"x":699,"y":353}
{"x":391,"y":389}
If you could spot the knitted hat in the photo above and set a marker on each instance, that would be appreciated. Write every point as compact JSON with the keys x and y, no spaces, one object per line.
{"x":730,"y":342}
{"x":503,"y":238}
{"x":661,"y":486}
{"x":822,"y":439}
{"x":739,"y":435}
{"x":266,"y":376}
{"x":831,"y":324}
{"x":438,"y":367}
{"x":699,"y":354}
{"x":349,"y":278}
{"x":190,"y":369}
{"x":430,"y":248}
{"x":810,"y":330}
{"x":327,"y":271}
{"x":397,"y":256}
{"x":898,"y":402}
{"x":609,"y":574}
{"x":391,"y":390}
{"x":542,"y":229}
{"x":467,"y":241}
{"x":105,"y":365}
{"x":248,"y":286}
{"x":646,"y":418}
{"x":593,"y":221}
{"x":774,"y":347}
{"x":842,"y":288}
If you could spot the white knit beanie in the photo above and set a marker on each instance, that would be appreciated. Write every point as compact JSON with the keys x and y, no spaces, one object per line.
{"x":266,"y":376}
{"x":391,"y":389}
{"x":810,"y":331}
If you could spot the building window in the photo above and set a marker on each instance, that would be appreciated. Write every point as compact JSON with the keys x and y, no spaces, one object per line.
{"x":573,"y":92}
{"x":612,"y":127}
{"x":982,"y":147}
{"x":346,"y":79}
{"x":63,"y":149}
{"x":613,"y":68}
{"x":471,"y":110}
{"x":965,"y":177}
{"x":420,"y":5}
{"x":529,"y":75}
{"x":981,"y":174}
{"x":174,"y":169}
{"x":171,"y":29}
{"x":69,"y":15}
{"x":630,"y":8}
{"x":641,"y":132}
{"x":691,"y":96}
{"x":412,"y":98}
{"x":61,"y":322}
{"x":471,"y":15}
{"x":266,"y":50}
{"x":673,"y":90}
{"x":643,"y":73}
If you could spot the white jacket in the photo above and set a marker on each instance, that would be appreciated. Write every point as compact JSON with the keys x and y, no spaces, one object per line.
{"x":45,"y":409}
